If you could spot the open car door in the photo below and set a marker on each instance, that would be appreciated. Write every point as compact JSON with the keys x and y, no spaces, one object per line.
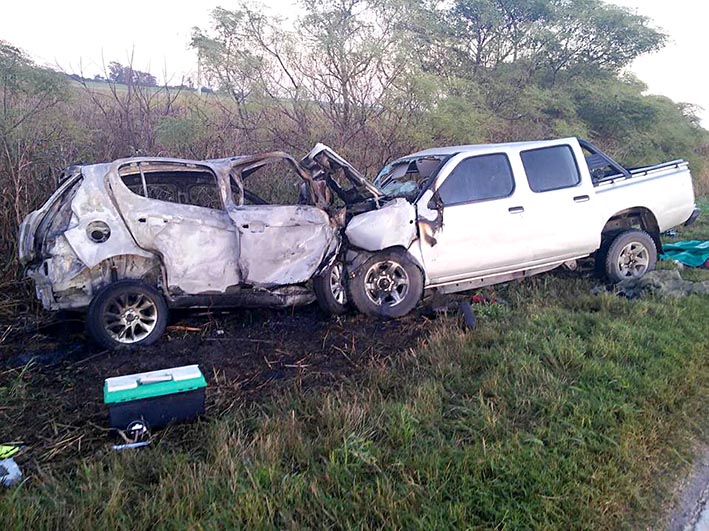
{"x":283,"y":240}
{"x":324,"y":163}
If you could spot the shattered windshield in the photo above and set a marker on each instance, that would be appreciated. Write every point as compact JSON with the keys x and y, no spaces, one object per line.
{"x":407,"y":178}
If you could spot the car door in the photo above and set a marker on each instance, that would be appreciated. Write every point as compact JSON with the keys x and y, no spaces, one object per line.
{"x":483,"y":228}
{"x":175,"y":210}
{"x":560,"y":211}
{"x":281,"y":242}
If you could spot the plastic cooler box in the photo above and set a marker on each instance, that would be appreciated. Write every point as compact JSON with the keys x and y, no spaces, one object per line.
{"x":156,"y":397}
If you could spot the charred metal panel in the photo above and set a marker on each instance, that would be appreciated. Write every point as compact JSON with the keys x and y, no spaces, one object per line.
{"x":282,"y":244}
{"x":198,"y":245}
{"x":91,"y":204}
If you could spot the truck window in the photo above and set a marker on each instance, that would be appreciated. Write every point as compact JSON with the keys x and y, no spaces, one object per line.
{"x":478,"y":178}
{"x":550,"y":168}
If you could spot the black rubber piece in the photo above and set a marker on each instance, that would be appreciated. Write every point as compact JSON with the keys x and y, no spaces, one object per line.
{"x":468,"y":314}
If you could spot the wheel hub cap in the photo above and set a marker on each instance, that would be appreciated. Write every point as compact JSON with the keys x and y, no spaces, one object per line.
{"x":130,"y":317}
{"x":633,"y":260}
{"x":386,"y":283}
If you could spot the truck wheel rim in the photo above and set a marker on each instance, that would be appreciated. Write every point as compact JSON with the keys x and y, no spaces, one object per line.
{"x":130,"y":317}
{"x":633,"y":260}
{"x":386,"y":283}
{"x":337,"y":287}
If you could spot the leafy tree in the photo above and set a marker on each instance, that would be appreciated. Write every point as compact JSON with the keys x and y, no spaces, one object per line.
{"x":126,"y":75}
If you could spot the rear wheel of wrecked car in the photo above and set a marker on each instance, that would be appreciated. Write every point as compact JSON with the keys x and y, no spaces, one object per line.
{"x":387,"y":285}
{"x":127,"y":314}
{"x":631,"y":254}
{"x":331,"y":290}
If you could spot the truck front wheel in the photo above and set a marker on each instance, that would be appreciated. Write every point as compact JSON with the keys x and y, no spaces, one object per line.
{"x":388,"y":285}
{"x":631,"y":254}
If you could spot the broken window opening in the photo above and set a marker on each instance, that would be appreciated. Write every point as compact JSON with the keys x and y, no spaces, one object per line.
{"x":274,"y":182}
{"x":408,"y":178}
{"x":181,"y":185}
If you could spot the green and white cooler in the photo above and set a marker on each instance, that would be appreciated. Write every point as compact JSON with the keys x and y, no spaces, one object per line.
{"x":155,"y":398}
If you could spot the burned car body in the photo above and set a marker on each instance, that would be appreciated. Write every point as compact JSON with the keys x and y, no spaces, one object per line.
{"x":155,"y":233}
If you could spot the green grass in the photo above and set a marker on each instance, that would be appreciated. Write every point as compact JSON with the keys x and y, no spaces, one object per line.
{"x":562,"y":410}
{"x":566,"y":411}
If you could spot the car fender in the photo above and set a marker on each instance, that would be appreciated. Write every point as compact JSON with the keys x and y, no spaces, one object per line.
{"x":393,"y":225}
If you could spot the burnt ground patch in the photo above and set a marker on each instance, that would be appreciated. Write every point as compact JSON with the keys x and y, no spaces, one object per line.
{"x":52,"y":376}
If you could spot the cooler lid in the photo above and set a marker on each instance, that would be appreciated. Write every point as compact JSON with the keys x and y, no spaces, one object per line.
{"x":153,"y":383}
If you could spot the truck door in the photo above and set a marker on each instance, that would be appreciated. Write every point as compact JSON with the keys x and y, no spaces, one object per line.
{"x":484,"y":226}
{"x":561,"y":211}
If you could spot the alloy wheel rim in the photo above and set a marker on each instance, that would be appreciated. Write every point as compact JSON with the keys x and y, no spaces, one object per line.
{"x":130,"y":317}
{"x":337,"y":287}
{"x":633,"y":260}
{"x":386,"y":283}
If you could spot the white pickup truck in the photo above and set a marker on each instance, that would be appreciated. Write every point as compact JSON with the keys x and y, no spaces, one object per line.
{"x":129,"y":240}
{"x":471,"y":216}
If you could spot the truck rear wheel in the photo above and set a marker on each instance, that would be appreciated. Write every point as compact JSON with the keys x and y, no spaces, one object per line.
{"x":631,"y":254}
{"x":127,"y":314}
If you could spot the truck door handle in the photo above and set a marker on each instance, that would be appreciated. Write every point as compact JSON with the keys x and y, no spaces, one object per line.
{"x":515,"y":210}
{"x":581,"y":198}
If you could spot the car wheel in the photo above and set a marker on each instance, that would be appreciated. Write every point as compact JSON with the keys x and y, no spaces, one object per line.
{"x":331,"y":290}
{"x":388,"y":285}
{"x":631,"y":254}
{"x":127,"y":314}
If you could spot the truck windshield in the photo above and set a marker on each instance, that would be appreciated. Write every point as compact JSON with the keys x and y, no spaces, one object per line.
{"x":408,"y":177}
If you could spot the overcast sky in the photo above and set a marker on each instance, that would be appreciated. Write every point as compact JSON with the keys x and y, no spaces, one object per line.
{"x":80,"y":35}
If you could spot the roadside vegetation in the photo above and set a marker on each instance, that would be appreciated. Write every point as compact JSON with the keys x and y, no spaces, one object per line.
{"x":561,"y":410}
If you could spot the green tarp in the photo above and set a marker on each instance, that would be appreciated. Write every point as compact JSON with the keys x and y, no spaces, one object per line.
{"x":693,"y":253}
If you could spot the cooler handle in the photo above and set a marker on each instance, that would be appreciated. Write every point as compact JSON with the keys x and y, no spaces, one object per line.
{"x":145,"y":380}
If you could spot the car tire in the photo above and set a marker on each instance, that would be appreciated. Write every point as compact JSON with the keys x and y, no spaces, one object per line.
{"x":631,"y":254}
{"x":388,"y":285}
{"x":330,"y":288}
{"x":127,"y":314}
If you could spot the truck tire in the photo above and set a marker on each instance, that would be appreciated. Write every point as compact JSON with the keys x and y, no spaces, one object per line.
{"x":631,"y":254}
{"x":387,"y":285}
{"x":127,"y":314}
{"x":331,"y":289}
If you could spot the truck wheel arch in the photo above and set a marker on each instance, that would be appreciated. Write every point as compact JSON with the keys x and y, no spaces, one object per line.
{"x":635,"y":217}
{"x":355,"y":258}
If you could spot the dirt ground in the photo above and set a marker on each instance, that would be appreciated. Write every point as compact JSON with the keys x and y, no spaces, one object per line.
{"x":53,"y":375}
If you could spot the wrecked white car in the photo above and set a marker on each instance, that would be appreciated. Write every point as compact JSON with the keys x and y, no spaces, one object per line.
{"x":132,"y":238}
